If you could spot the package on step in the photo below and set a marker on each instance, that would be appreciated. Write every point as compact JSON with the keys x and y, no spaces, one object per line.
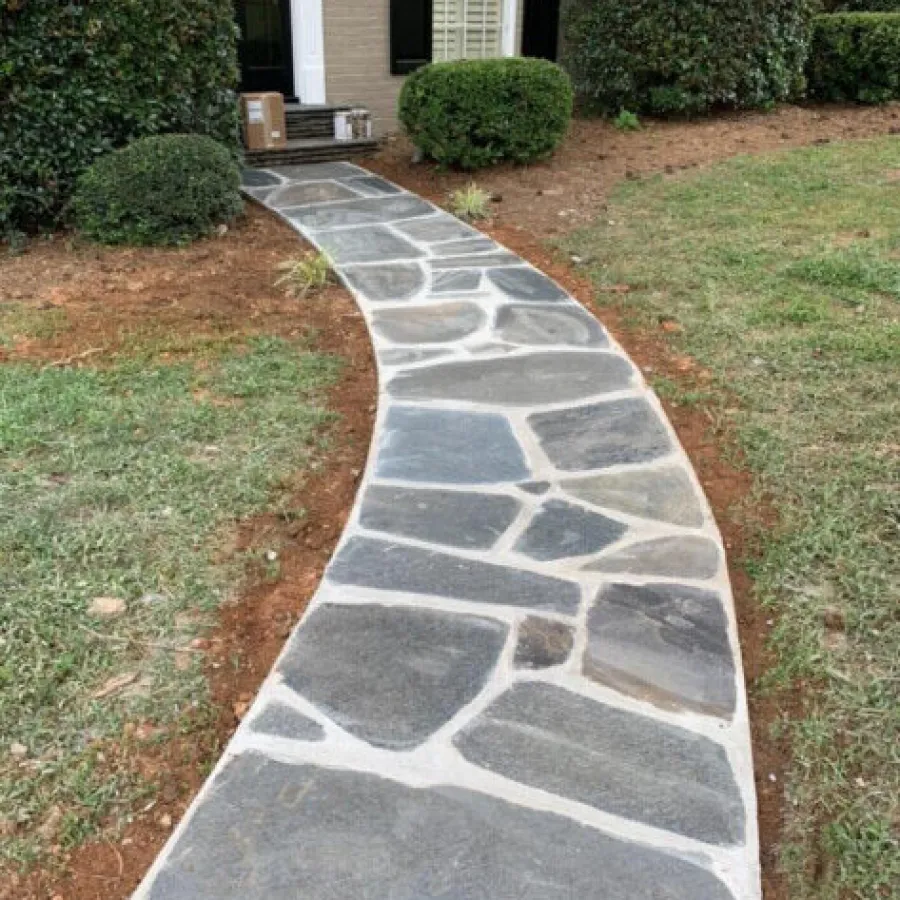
{"x":263,"y":119}
{"x":352,"y":125}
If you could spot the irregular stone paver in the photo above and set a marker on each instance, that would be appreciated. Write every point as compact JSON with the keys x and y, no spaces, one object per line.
{"x":543,"y":643}
{"x":561,"y":529}
{"x":392,"y":566}
{"x":665,"y":643}
{"x":677,"y":557}
{"x":373,"y":186}
{"x":402,"y":356}
{"x":437,"y":228}
{"x":666,"y":493}
{"x":486,"y":595}
{"x":284,"y":722}
{"x":391,"y":675}
{"x":530,"y":380}
{"x":253,"y":178}
{"x":526,"y":284}
{"x":368,"y":211}
{"x":534,"y":325}
{"x":463,"y":247}
{"x":440,"y":323}
{"x":451,"y":282}
{"x":312,"y":192}
{"x":326,"y":171}
{"x":600,"y":435}
{"x":449,"y":447}
{"x":386,"y":284}
{"x":481,"y":261}
{"x":359,"y":245}
{"x":452,"y":518}
{"x":629,"y":765}
{"x":314,"y":832}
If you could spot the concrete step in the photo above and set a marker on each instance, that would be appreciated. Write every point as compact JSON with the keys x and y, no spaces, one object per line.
{"x":306,"y":120}
{"x":308,"y":150}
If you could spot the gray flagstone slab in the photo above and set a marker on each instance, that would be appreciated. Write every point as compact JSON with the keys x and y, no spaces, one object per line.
{"x":283,"y":721}
{"x":452,"y":518}
{"x":534,"y":325}
{"x":312,"y":832}
{"x":391,"y":675}
{"x":529,"y":380}
{"x":629,"y":765}
{"x":681,"y":556}
{"x":368,"y":211}
{"x":435,"y":323}
{"x":665,"y":643}
{"x":393,"y":566}
{"x":561,"y":529}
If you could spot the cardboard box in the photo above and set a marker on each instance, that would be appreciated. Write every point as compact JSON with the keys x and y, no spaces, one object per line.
{"x":262,"y":116}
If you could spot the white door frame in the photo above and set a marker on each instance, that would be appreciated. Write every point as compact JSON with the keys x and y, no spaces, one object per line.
{"x":510,"y":28}
{"x":308,"y":43}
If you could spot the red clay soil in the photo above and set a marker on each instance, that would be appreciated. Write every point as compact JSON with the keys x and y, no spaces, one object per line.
{"x":570,"y":189}
{"x":222,"y":289}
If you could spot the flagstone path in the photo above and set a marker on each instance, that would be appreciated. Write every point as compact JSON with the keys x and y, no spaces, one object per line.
{"x":520,"y":677}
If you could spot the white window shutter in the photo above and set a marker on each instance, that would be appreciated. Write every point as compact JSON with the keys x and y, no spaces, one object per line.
{"x":468,"y":29}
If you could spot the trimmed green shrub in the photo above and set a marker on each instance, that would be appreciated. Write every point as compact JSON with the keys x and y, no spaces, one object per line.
{"x":167,"y":189}
{"x":855,"y":56}
{"x":475,"y":113}
{"x":862,"y":6}
{"x":660,"y":56}
{"x":78,"y":79}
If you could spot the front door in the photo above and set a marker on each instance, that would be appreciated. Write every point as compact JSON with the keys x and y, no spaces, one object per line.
{"x":264,"y":49}
{"x":540,"y":31}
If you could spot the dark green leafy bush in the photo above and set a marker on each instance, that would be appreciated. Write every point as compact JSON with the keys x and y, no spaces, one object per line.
{"x":662,"y":56}
{"x":78,"y":79}
{"x":855,"y":56}
{"x":475,"y":113}
{"x":862,"y":6}
{"x":167,"y":189}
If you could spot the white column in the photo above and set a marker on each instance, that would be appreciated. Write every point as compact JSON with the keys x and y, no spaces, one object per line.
{"x":510,"y":23}
{"x":308,"y":40}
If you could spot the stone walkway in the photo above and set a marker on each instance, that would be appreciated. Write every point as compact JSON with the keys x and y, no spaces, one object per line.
{"x":520,"y":677}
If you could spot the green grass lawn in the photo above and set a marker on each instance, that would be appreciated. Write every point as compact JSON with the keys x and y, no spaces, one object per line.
{"x":121,"y":482}
{"x":784,"y":272}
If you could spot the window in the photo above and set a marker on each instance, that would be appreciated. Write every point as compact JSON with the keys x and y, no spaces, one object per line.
{"x":467,"y":29}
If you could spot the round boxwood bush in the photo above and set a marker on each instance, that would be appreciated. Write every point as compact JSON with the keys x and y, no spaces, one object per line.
{"x":660,"y":56}
{"x":79,"y":79}
{"x":475,"y":113}
{"x":168,"y":189}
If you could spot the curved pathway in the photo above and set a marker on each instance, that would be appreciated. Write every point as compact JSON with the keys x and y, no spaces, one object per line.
{"x":520,"y":677}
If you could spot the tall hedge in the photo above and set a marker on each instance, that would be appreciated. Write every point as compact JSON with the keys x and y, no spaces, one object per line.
{"x":855,"y":56}
{"x":686,"y":56}
{"x":82,"y":77}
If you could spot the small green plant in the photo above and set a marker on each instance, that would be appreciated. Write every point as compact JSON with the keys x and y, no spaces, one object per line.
{"x":627,"y":121}
{"x":305,"y":275}
{"x":470,"y":203}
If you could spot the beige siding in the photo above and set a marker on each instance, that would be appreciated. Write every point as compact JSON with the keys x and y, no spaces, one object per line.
{"x":357,"y":58}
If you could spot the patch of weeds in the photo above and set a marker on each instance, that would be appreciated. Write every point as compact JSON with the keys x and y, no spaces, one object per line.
{"x":627,"y":121}
{"x":470,"y":203}
{"x":119,"y":483}
{"x":306,"y":275}
{"x":20,"y":321}
{"x":803,"y":330}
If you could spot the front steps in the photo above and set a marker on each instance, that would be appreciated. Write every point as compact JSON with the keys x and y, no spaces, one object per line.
{"x":310,"y":133}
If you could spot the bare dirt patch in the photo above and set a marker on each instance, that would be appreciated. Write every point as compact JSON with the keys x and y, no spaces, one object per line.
{"x":570,"y":188}
{"x":173,"y":299}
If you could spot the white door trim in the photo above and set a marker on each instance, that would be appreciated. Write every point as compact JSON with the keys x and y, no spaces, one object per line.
{"x":510,"y":27}
{"x":308,"y":42}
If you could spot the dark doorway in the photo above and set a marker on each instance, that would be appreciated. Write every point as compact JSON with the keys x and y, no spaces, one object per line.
{"x":264,"y":49}
{"x":540,"y":33}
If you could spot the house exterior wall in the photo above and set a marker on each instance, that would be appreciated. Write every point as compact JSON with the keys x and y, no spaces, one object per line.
{"x":357,"y":57}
